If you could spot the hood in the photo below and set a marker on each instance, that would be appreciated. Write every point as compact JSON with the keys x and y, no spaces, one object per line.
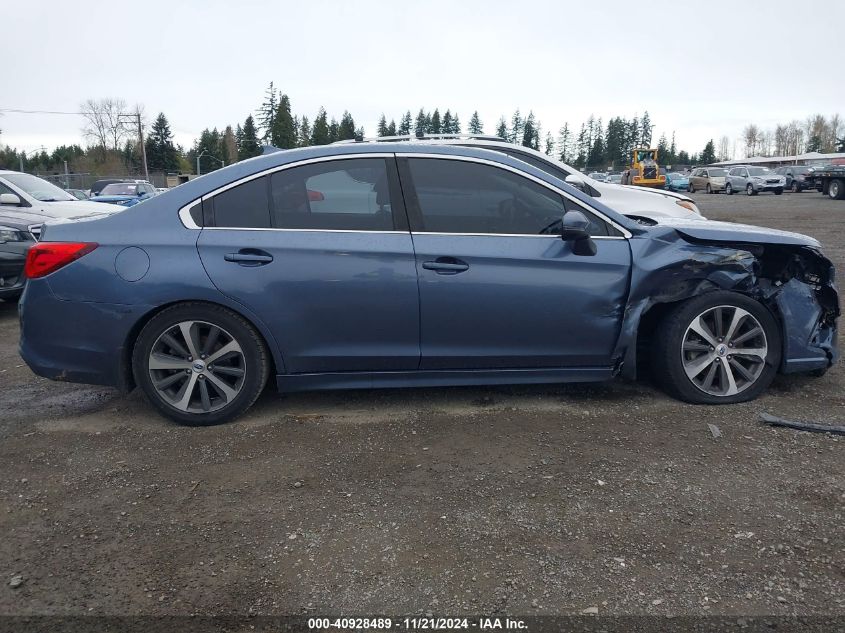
{"x":67,"y":210}
{"x":655,"y":192}
{"x":102,"y":199}
{"x":23,"y":219}
{"x":713,"y":231}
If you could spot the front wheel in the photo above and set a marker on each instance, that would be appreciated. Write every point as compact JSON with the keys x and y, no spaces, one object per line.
{"x":796,"y":188}
{"x":749,"y":190}
{"x":778,"y":192}
{"x":719,"y":348}
{"x":709,"y":189}
{"x":836,"y":189}
{"x":200,"y":364}
{"x":690,"y":188}
{"x":729,"y":190}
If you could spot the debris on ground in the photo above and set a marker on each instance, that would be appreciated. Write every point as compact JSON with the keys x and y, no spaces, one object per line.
{"x":773,"y":420}
{"x":714,"y":431}
{"x":16,"y":581}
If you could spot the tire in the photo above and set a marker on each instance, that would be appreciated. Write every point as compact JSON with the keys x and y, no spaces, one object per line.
{"x":778,"y":192}
{"x":679,"y":351}
{"x":836,"y":189}
{"x":709,"y":189}
{"x":749,"y":190}
{"x":165,"y":367}
{"x":690,"y":188}
{"x":729,"y":190}
{"x":796,"y":188}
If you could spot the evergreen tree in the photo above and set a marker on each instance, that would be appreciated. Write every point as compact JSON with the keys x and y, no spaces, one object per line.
{"x":446,"y":126}
{"x":673,"y":151}
{"x":381,"y":129}
{"x":359,"y":133}
{"x":708,"y":155}
{"x":304,"y":139}
{"x":550,"y":144}
{"x":391,"y":128}
{"x":405,"y":124}
{"x":456,"y":124}
{"x":283,"y":134}
{"x":684,"y":158}
{"x":663,"y":151}
{"x":564,"y":144}
{"x":239,"y":138}
{"x":346,"y":130}
{"x":249,"y":145}
{"x":320,"y":130}
{"x":502,"y":130}
{"x":161,"y":153}
{"x":530,"y":133}
{"x":334,"y":131}
{"x":420,"y":126}
{"x":267,"y":112}
{"x":435,"y":126}
{"x":516,"y":128}
{"x":475,"y":124}
{"x":645,"y":130}
{"x":207,"y":148}
{"x":597,"y":157}
{"x":582,"y":147}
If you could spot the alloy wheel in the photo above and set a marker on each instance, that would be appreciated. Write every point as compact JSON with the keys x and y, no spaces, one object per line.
{"x":724,"y":350}
{"x":749,"y":190}
{"x":197,"y":367}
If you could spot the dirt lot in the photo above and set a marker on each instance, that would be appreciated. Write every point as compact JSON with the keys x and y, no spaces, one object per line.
{"x":530,"y":500}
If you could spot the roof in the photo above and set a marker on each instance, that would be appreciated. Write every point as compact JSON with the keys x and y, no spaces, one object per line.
{"x":809,"y":156}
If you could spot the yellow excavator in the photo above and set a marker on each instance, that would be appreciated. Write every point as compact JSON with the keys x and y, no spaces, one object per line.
{"x":644,"y":170}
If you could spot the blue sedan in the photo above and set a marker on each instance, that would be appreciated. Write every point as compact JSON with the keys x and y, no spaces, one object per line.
{"x":394,"y":265}
{"x":126,"y":194}
{"x":676,"y":181}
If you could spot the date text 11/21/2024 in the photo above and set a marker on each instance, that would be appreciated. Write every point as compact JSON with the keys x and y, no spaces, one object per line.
{"x":417,"y":624}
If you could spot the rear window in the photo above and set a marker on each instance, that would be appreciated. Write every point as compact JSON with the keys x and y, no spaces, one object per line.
{"x":717,"y":173}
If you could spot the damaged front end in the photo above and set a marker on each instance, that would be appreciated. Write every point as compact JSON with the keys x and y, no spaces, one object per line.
{"x":786,"y":272}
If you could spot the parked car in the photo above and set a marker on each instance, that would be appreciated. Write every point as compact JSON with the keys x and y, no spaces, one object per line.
{"x":26,"y":203}
{"x":795,"y":177}
{"x":78,"y":194}
{"x":98,"y":185}
{"x":126,"y":194}
{"x":614,"y":179}
{"x":365,"y":265}
{"x":598,"y":175}
{"x":709,"y":179}
{"x":676,"y":181}
{"x":753,"y":180}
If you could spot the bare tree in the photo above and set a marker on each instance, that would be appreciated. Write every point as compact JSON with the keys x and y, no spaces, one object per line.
{"x":104,"y":123}
{"x":781,"y":140}
{"x":765,"y":143}
{"x":794,"y":138}
{"x":751,"y":134}
{"x":724,"y":148}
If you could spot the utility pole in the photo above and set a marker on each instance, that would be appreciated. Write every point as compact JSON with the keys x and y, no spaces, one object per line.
{"x":67,"y":181}
{"x":143,"y":147}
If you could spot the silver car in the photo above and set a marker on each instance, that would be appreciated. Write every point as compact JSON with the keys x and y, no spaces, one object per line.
{"x":753,"y":180}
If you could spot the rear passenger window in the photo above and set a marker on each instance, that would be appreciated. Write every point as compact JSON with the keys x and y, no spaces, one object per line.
{"x":244,"y":206}
{"x":350,"y":194}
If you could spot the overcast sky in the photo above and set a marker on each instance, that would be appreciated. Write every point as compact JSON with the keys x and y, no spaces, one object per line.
{"x":700,"y":69}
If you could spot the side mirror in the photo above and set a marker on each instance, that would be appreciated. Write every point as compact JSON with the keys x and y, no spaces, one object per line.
{"x":10,"y":199}
{"x":576,"y":230}
{"x":576,"y":181}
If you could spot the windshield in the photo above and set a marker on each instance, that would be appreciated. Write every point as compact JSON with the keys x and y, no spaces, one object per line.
{"x":717,"y":173}
{"x":38,"y":188}
{"x":800,"y":170}
{"x":120,"y":189}
{"x":758,"y":171}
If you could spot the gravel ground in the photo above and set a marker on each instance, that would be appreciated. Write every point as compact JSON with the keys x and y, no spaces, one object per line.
{"x":529,"y":500}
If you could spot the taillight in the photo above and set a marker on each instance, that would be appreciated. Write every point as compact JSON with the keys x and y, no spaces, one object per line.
{"x":44,"y":258}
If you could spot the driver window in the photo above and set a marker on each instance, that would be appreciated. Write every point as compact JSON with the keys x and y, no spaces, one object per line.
{"x":456,"y":196}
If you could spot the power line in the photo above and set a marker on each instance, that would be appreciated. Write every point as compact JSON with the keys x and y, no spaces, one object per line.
{"x":19,"y":111}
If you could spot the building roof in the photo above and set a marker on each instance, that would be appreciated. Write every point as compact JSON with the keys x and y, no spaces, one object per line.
{"x":798,"y":158}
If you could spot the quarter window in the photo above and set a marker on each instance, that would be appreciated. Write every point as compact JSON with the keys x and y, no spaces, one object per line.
{"x":353,"y":194}
{"x":244,"y":206}
{"x":463,"y":197}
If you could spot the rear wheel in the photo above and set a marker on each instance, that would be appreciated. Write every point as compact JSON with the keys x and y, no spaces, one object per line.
{"x":690,"y":188}
{"x":796,"y":188}
{"x":718,"y":348}
{"x":200,"y":364}
{"x":836,"y":189}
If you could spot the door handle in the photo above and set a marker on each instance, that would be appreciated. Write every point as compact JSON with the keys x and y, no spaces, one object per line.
{"x":446,"y":266}
{"x":249,"y":257}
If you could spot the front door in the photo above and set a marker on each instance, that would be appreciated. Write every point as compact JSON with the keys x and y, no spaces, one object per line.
{"x":499,"y":288}
{"x":321,"y":252}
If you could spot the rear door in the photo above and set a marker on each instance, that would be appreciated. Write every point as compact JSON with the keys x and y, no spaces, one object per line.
{"x":498,"y":286}
{"x":322,"y":253}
